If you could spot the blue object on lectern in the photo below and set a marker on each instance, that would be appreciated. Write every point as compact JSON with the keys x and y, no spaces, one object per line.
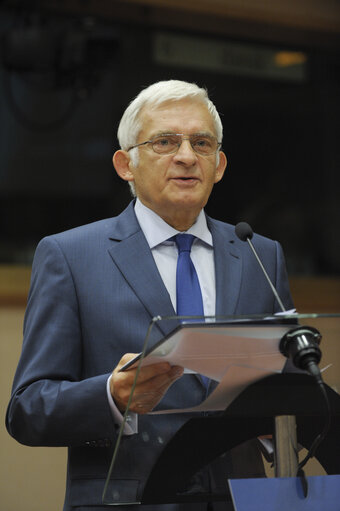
{"x":286,"y":494}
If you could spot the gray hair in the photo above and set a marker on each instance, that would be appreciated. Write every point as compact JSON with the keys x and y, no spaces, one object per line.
{"x":154,"y":95}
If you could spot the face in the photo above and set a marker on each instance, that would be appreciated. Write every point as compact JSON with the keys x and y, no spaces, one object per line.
{"x":176,"y":186}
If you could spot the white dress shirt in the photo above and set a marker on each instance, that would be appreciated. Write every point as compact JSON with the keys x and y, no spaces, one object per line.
{"x":157,"y":233}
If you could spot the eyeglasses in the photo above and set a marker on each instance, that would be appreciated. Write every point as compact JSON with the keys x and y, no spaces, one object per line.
{"x":169,"y":143}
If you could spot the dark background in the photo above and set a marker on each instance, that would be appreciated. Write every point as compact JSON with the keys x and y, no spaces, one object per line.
{"x":65,"y":80}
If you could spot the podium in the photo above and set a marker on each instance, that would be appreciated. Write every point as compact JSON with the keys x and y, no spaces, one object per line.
{"x":273,"y":398}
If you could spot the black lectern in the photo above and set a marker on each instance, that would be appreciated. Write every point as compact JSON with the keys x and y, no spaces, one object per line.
{"x":274,"y":390}
{"x":249,"y":416}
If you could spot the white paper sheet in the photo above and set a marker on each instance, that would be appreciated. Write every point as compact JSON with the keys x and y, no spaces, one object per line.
{"x":235,"y":356}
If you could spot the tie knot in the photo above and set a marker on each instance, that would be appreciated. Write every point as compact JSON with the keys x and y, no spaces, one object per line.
{"x":184,"y":242}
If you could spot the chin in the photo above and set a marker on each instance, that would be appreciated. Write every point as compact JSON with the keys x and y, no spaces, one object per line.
{"x":190,"y":201}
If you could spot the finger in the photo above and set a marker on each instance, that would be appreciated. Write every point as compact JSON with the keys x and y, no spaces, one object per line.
{"x":150,"y":371}
{"x":125,"y":359}
{"x":158,"y":379}
{"x":147,"y":395}
{"x":146,"y":374}
{"x":153,"y":381}
{"x":146,"y":371}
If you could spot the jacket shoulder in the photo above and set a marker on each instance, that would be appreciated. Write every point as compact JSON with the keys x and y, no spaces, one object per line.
{"x":228,"y":230}
{"x":92,"y":233}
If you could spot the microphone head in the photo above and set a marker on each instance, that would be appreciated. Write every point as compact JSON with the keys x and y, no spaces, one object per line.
{"x":243,"y":231}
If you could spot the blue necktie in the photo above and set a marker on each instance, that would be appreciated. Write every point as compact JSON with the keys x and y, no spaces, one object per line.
{"x":188,"y":290}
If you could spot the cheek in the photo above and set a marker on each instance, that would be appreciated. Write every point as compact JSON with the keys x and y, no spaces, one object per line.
{"x":211,"y":174}
{"x":147,"y":182}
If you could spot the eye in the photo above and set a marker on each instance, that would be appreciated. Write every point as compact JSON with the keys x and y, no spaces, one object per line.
{"x":167,"y":139}
{"x":165,"y":143}
{"x":203,"y":143}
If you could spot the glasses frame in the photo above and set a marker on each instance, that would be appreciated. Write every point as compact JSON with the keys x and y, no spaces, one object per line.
{"x":184,"y":137}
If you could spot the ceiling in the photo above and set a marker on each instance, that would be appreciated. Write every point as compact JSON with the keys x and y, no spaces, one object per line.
{"x":308,"y":23}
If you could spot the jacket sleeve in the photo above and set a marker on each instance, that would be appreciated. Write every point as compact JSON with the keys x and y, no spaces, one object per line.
{"x":52,"y":404}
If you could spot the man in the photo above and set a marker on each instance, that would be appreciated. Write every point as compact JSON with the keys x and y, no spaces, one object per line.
{"x":96,"y":288}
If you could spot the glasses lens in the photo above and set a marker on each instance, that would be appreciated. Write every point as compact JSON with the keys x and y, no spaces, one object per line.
{"x":204,"y":144}
{"x":201,"y":144}
{"x":166,"y":144}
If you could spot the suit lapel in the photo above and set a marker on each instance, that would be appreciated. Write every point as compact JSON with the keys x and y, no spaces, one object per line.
{"x":228,"y":267}
{"x":132,"y":255}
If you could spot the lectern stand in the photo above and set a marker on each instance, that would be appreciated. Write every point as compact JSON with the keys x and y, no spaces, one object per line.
{"x":261,"y":408}
{"x":285,"y":446}
{"x":249,"y":416}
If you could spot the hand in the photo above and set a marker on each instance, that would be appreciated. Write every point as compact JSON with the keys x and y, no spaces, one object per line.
{"x":152,"y":384}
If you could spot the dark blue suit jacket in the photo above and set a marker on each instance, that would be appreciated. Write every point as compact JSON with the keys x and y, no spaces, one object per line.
{"x":93,"y":293}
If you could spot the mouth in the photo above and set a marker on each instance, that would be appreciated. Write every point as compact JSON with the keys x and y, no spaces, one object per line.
{"x":184,"y":179}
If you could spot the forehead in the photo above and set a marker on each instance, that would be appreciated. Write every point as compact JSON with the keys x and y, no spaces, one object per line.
{"x":184,"y":116}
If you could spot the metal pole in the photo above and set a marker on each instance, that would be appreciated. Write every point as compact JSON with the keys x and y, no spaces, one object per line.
{"x":286,"y":450}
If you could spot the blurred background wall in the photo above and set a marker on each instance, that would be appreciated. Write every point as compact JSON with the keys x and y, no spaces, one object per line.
{"x":68,"y":70}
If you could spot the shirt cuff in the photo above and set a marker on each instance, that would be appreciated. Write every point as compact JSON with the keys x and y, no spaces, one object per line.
{"x":131,"y":424}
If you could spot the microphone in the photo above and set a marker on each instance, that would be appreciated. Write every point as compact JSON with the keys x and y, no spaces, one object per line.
{"x":243,"y":231}
{"x":300,"y":344}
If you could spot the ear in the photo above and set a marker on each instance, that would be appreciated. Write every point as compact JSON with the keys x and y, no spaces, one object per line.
{"x":222,"y":165}
{"x":122,"y":163}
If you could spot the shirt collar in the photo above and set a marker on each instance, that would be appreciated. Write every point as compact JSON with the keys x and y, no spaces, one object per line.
{"x":156,"y":230}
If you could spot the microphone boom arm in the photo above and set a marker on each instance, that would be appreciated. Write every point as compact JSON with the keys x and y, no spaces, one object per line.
{"x":266,"y":275}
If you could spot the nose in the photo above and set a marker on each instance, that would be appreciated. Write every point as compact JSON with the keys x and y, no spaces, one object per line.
{"x":185,"y":153}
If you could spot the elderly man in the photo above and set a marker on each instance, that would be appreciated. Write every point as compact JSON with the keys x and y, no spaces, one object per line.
{"x":95,"y":289}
